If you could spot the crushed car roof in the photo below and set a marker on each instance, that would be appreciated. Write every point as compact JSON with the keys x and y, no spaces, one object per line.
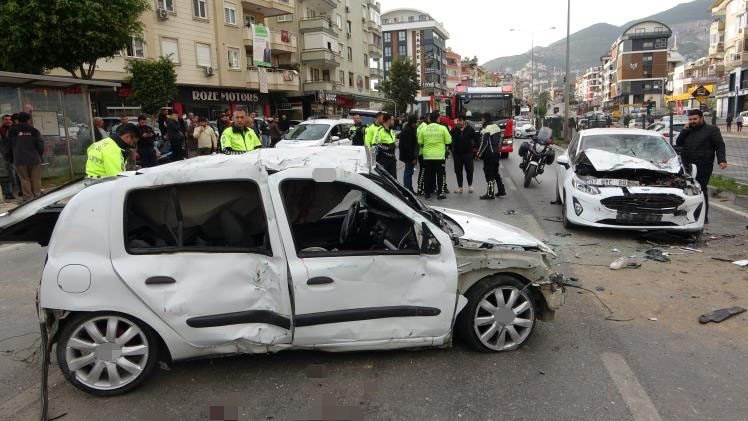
{"x":348,"y":158}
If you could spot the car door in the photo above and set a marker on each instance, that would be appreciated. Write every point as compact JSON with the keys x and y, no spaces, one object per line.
{"x":205,"y":256}
{"x":344,"y":139}
{"x":361,"y":296}
{"x":564,"y":164}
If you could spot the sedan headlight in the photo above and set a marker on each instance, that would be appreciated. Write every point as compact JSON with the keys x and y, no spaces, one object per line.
{"x":584,"y":187}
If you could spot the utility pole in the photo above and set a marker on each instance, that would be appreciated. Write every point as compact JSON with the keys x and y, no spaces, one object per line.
{"x":566,"y":76}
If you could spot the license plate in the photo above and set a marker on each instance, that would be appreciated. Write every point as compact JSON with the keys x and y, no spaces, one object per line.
{"x":638,"y":218}
{"x":611,"y":182}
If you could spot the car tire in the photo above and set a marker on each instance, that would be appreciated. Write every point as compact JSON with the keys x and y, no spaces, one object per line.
{"x":567,"y":224}
{"x":119,"y":350}
{"x":504,"y":155}
{"x":478,"y":326}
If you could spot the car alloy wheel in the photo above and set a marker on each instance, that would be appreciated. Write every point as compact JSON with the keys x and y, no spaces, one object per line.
{"x":504,"y":318}
{"x":500,"y":315}
{"x":106,"y":354}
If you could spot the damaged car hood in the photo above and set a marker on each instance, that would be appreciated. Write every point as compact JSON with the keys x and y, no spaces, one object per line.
{"x":480,"y":229}
{"x":608,"y":161}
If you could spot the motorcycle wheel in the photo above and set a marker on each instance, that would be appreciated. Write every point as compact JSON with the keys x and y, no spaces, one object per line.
{"x":530,"y":174}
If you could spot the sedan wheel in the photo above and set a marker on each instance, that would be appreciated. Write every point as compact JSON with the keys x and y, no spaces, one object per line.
{"x":106,"y":354}
{"x":500,"y":315}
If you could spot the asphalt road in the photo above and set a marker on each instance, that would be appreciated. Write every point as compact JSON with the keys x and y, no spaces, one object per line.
{"x":581,"y":366}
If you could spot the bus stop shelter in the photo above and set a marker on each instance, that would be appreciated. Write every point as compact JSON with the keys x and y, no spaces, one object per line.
{"x":60,"y":109}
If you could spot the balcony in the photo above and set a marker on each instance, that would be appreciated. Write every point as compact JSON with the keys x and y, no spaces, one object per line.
{"x":319,"y":85}
{"x":734,"y":60}
{"x":376,"y":73}
{"x":372,"y":26}
{"x":248,"y":37}
{"x":318,"y":24}
{"x":288,"y":44}
{"x":320,"y":57}
{"x":375,"y":50}
{"x":270,"y":8}
{"x":650,"y":34}
{"x":321,"y":5}
{"x":717,"y":49}
{"x":374,"y":5}
{"x":278,"y":80}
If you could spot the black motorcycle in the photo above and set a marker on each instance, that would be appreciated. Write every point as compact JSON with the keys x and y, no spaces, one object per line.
{"x":536,"y":155}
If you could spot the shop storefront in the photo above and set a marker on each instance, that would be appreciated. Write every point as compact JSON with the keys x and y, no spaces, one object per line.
{"x":333,"y":104}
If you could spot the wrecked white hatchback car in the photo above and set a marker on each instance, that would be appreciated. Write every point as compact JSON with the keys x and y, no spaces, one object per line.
{"x":627,"y":179}
{"x":304,"y":248}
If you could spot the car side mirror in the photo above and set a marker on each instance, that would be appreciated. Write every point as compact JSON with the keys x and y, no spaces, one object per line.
{"x":429,"y":244}
{"x":334,"y":138}
{"x":563,"y":160}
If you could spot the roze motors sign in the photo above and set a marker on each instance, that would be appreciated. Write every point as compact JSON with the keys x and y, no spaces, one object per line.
{"x":228,"y":96}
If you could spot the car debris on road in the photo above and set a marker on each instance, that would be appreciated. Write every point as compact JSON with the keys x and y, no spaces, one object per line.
{"x":718,"y":316}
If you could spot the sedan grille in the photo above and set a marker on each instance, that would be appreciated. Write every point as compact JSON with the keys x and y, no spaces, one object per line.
{"x":648,"y":204}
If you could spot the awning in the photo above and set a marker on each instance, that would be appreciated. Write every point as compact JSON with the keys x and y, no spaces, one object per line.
{"x":26,"y":79}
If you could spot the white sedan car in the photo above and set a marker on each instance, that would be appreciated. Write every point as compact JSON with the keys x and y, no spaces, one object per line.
{"x":627,"y":179}
{"x":304,"y":248}
{"x":524,"y":131}
{"x":321,"y":132}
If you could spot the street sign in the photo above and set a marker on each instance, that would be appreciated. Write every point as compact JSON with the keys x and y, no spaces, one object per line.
{"x":701,"y":94}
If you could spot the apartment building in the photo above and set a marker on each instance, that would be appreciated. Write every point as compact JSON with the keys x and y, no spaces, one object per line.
{"x":417,"y":36}
{"x":636,"y":69}
{"x":340,"y":47}
{"x":589,"y":87}
{"x":212,"y":45}
{"x":454,"y":70}
{"x":728,"y":49}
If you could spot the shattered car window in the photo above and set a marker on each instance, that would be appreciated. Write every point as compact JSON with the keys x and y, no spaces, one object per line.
{"x":224,"y":216}
{"x":308,"y":132}
{"x":340,"y":219}
{"x":650,"y":148}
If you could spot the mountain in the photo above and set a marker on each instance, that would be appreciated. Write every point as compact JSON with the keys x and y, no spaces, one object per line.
{"x":689,"y":22}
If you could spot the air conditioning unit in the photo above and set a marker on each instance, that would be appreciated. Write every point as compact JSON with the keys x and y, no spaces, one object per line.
{"x":208,"y":70}
{"x":162,"y":13}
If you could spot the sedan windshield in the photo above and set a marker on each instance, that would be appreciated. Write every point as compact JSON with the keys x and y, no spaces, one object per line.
{"x":308,"y":132}
{"x":649,"y":148}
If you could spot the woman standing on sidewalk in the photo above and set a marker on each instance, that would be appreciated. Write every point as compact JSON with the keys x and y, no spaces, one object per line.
{"x":739,"y":123}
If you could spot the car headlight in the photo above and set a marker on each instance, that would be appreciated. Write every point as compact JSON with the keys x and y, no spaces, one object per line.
{"x":584,"y":187}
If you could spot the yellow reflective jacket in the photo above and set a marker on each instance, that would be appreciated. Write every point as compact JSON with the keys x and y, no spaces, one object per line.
{"x":105,"y":159}
{"x":239,"y":142}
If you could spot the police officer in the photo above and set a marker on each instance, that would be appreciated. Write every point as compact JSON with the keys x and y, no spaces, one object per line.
{"x":421,"y":167}
{"x":239,"y":138}
{"x":357,"y":132}
{"x":106,"y":158}
{"x":372,"y":129}
{"x":490,"y":152}
{"x":433,"y":139}
{"x":384,"y":146}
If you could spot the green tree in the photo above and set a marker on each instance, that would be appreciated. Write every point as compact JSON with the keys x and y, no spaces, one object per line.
{"x":401,"y":84}
{"x":41,"y":35}
{"x":153,"y":82}
{"x":541,"y":108}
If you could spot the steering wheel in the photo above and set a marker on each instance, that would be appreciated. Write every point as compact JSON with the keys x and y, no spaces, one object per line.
{"x":349,"y":222}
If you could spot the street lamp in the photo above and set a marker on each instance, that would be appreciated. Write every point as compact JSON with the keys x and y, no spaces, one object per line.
{"x":532,"y":55}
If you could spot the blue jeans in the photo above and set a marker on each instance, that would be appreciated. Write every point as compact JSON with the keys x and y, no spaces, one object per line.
{"x":408,"y":176}
{"x":10,"y":172}
{"x":265,"y":139}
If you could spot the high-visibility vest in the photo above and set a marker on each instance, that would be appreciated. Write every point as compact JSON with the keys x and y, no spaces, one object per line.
{"x":105,"y":159}
{"x":240,"y":142}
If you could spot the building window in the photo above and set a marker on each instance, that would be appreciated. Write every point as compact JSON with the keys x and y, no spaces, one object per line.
{"x":648,"y":45}
{"x":640,"y":31}
{"x":249,"y":21}
{"x":166,"y":5}
{"x":350,"y":54}
{"x":387,"y":51}
{"x":339,"y":21}
{"x":341,"y":77}
{"x":411,"y":18}
{"x":402,"y":50}
{"x":170,"y":49}
{"x":285,"y":18}
{"x":200,"y":9}
{"x":660,"y":43}
{"x":401,"y":36}
{"x":136,"y":48}
{"x":229,"y":13}
{"x":647,"y":58}
{"x":388,"y":37}
{"x":203,"y":55}
{"x":423,"y":17}
{"x":367,"y":81}
{"x":326,"y":75}
{"x":659,"y":29}
{"x":315,"y":74}
{"x":340,"y":48}
{"x":234,"y":62}
{"x":349,"y":27}
{"x":311,"y":13}
{"x":350,"y":79}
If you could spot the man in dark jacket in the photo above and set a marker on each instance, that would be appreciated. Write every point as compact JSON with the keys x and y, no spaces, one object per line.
{"x":490,"y":152}
{"x":146,"y":148}
{"x":698,"y":144}
{"x":462,"y":152}
{"x":357,"y":131}
{"x":5,"y":154}
{"x":176,"y":137}
{"x":27,"y":148}
{"x":408,"y":150}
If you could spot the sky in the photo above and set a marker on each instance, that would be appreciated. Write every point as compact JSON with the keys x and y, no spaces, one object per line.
{"x":482,"y":27}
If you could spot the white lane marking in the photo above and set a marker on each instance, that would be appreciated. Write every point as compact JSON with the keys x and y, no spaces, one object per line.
{"x":728,"y":209}
{"x":631,"y":391}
